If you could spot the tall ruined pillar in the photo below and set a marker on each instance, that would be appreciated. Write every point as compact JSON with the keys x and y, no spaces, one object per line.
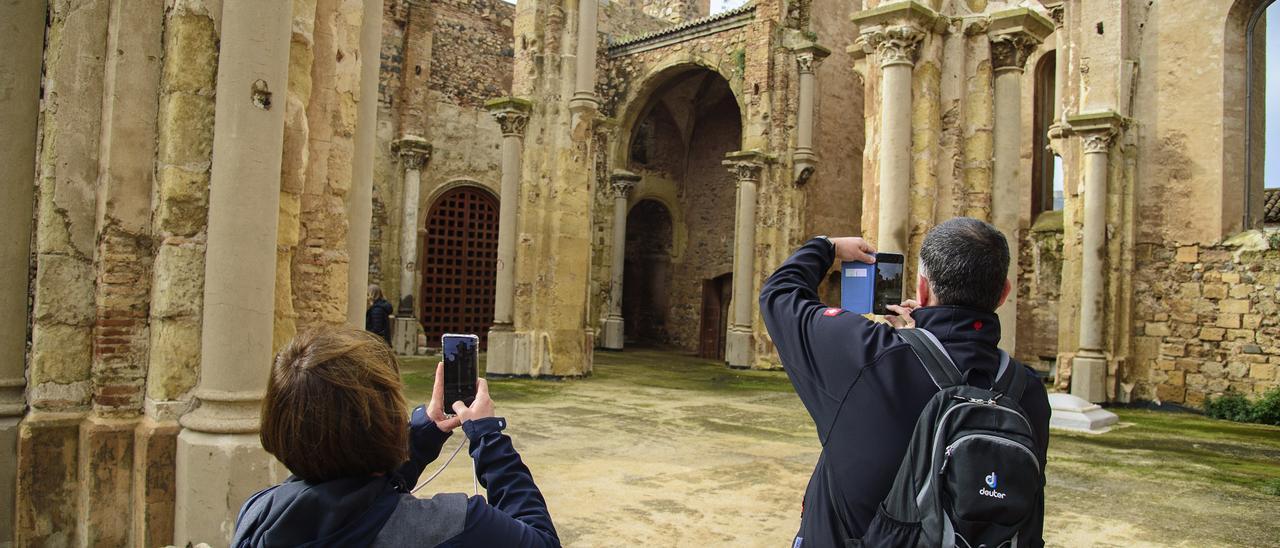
{"x":1014,"y":35}
{"x":747,"y":167}
{"x":513,"y":117}
{"x":360,"y":198}
{"x":414,"y":153}
{"x":22,"y":40}
{"x":807,"y":60}
{"x":1089,"y":367}
{"x":894,"y":32}
{"x":220,"y":460}
{"x":623,"y":182}
{"x":584,"y":89}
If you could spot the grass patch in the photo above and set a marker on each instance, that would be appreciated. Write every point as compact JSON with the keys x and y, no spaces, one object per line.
{"x":665,"y":369}
{"x":1182,"y":447}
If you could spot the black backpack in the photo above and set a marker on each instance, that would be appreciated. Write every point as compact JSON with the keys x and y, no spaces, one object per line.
{"x":970,"y":477}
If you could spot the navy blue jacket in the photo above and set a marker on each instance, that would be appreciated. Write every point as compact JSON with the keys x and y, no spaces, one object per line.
{"x":377,"y":319}
{"x":354,"y":511}
{"x":865,"y":388}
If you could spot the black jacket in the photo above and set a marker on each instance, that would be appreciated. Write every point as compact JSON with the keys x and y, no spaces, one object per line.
{"x":865,"y":388}
{"x":377,"y":319}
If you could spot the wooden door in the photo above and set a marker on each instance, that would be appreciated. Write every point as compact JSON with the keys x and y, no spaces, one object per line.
{"x":715,"y":316}
{"x":459,"y":264}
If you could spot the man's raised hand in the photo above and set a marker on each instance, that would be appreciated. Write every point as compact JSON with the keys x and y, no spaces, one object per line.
{"x":853,"y":248}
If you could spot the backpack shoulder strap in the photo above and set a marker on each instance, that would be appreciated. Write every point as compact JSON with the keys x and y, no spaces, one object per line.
{"x":936,"y":362}
{"x":1011,"y":380}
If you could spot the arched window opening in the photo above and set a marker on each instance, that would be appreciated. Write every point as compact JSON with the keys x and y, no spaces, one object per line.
{"x":1046,"y":172}
{"x":1271,"y":159}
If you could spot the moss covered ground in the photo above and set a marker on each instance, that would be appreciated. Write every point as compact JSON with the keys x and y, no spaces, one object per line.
{"x":662,"y":449}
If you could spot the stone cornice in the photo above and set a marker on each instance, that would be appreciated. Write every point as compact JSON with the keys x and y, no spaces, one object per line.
{"x":684,"y":32}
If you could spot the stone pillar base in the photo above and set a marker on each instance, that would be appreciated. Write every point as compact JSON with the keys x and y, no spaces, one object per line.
{"x":1075,"y":414}
{"x":1089,"y":378}
{"x":155,"y":452}
{"x":8,"y":476}
{"x":508,"y":353}
{"x":737,"y":348}
{"x":48,"y":458}
{"x":613,"y":334}
{"x":218,"y":473}
{"x":105,"y":481}
{"x":404,"y":336}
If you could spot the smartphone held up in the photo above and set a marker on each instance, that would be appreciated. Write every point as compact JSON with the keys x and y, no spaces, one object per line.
{"x":461,"y":368}
{"x":871,"y":288}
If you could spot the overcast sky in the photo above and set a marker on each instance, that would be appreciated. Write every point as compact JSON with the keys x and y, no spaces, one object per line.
{"x":721,"y":5}
{"x":1273,"y":96}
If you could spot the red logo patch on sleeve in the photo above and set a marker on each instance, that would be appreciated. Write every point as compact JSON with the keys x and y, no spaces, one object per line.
{"x":977,"y":325}
{"x":832,"y":312}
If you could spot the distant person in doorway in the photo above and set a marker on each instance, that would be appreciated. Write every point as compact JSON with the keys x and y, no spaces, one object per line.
{"x":377,"y":319}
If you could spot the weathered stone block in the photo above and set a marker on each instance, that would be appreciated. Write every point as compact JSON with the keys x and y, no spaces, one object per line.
{"x":1187,"y":254}
{"x":179,"y":281}
{"x":59,"y":279}
{"x":1251,"y":321}
{"x":1262,"y":371}
{"x":1240,"y":335}
{"x":1234,"y":306}
{"x":1187,"y":364}
{"x":1170,"y":393}
{"x":182,"y":205}
{"x":59,"y":354}
{"x":1174,"y":349}
{"x":186,"y":130}
{"x":1189,"y":290}
{"x":1212,"y":333}
{"x":1229,"y":321}
{"x":1231,"y":277}
{"x":48,"y":455}
{"x":1238,"y":370}
{"x":1215,"y":291}
{"x":1157,"y":329}
{"x":191,"y":53}
{"x":1176,"y":378}
{"x":1242,"y":291}
{"x":1213,"y":369}
{"x":174,"y":358}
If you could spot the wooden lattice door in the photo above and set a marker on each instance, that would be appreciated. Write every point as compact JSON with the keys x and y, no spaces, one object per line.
{"x":459,"y":264}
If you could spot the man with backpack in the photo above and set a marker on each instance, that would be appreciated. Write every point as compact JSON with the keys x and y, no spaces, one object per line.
{"x":931,"y":436}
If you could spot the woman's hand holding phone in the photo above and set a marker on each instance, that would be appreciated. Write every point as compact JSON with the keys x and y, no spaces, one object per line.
{"x":435,"y":408}
{"x":481,"y":408}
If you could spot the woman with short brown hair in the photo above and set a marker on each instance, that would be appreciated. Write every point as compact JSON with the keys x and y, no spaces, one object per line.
{"x":335,"y":415}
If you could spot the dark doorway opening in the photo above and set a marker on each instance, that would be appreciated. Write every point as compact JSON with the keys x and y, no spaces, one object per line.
{"x":646,"y":274}
{"x":459,"y":264}
{"x":715,"y":316}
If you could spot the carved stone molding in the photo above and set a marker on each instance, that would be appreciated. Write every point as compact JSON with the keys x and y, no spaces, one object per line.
{"x":1010,"y":51}
{"x":1097,"y":142}
{"x":413,"y":151}
{"x":895,"y":45}
{"x":622,"y":183}
{"x":1057,"y":13}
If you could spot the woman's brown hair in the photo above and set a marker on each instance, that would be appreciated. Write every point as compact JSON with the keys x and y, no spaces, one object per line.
{"x":334,"y":406}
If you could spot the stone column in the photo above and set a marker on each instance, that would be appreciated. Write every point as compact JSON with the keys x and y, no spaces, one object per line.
{"x":1089,"y":367}
{"x":896,"y":46}
{"x":805,"y":160}
{"x":1057,"y":12}
{"x":360,"y":198}
{"x":747,"y":167}
{"x":220,"y":460}
{"x":414,"y":153}
{"x":1014,"y":35}
{"x":513,"y":117}
{"x":584,"y":89}
{"x":623,"y":182}
{"x":22,"y":40}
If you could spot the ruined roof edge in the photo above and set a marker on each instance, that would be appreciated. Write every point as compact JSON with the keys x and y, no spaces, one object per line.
{"x":632,"y":41}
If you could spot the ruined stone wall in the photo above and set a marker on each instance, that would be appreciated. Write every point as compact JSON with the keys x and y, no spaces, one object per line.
{"x":1039,"y":287}
{"x":1207,"y":319}
{"x":455,"y":54}
{"x":833,"y":196}
{"x":674,"y":11}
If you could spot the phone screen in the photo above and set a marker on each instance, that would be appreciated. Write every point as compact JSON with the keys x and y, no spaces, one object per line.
{"x":461,"y":353}
{"x":888,"y":282}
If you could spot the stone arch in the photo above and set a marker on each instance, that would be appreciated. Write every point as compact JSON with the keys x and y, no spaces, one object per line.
{"x":452,"y":184}
{"x":1243,"y":112}
{"x":639,"y":98}
{"x":664,"y":192}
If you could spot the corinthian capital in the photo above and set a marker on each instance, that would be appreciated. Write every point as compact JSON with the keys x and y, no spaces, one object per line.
{"x":1097,"y":130}
{"x":747,"y":165}
{"x":512,"y":115}
{"x":414,"y":151}
{"x":1096,"y":143}
{"x":621,"y":182}
{"x":895,"y":45}
{"x":1010,"y":51}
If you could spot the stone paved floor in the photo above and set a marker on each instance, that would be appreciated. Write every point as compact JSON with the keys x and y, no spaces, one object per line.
{"x":658,"y":449}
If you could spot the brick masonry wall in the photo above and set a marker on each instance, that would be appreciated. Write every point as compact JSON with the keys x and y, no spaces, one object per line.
{"x":1206,"y":319}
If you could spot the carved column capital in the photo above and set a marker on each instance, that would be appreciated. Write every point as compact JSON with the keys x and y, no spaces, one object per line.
{"x":1010,"y":51}
{"x":414,"y":151}
{"x":512,"y":115}
{"x":1058,"y":14}
{"x":808,"y":58}
{"x":895,"y":45}
{"x":1097,"y":142}
{"x":621,"y":183}
{"x":1097,"y":130}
